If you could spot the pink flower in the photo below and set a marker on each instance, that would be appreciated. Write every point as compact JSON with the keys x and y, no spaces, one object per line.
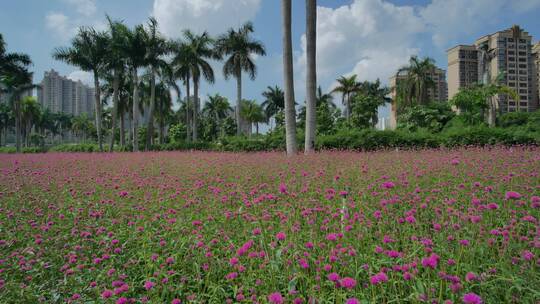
{"x":231,"y":276}
{"x":410,"y":219}
{"x":380,"y":277}
{"x":348,"y":283}
{"x":470,"y":277}
{"x":527,"y":255}
{"x":512,"y":195}
{"x":388,"y":185}
{"x":176,"y":301}
{"x":331,"y":237}
{"x":244,"y":249}
{"x":472,"y":298}
{"x":280,"y":236}
{"x":106,"y":294}
{"x":282,"y":188}
{"x":352,"y":301}
{"x":431,"y":261}
{"x":275,"y":298}
{"x":233,"y":261}
{"x":149,"y":285}
{"x":334,"y":277}
{"x":122,"y":300}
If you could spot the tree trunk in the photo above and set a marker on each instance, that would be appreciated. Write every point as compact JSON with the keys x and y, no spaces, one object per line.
{"x":18,"y":124}
{"x":290,"y":111}
{"x":188,"y":131}
{"x":135,"y":110}
{"x":239,"y":123}
{"x":114,"y":113}
{"x":257,"y":128}
{"x":97,"y":93}
{"x":492,"y":111}
{"x":311,"y":77}
{"x":122,"y":130}
{"x":393,"y":115}
{"x":150,"y":124}
{"x":195,"y":108}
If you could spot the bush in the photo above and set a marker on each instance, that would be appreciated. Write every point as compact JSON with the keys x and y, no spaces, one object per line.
{"x":182,"y":145}
{"x":12,"y":150}
{"x":75,"y":148}
{"x":513,"y":119}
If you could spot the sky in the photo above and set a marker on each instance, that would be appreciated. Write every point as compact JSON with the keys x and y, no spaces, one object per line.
{"x":370,"y":38}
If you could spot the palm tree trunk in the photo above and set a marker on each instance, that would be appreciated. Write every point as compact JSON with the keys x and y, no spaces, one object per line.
{"x":18,"y":124}
{"x":135,"y":110}
{"x":188,"y":131}
{"x":239,"y":123}
{"x":97,"y":93}
{"x":290,"y":111}
{"x":195,"y":108}
{"x":311,"y":77}
{"x":492,"y":111}
{"x":150,"y":124}
{"x":122,"y":130}
{"x":257,"y":128}
{"x":393,"y":115}
{"x":114,"y":113}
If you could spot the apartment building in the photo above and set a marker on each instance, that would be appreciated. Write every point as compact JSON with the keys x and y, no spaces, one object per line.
{"x":508,"y":53}
{"x":60,"y":94}
{"x":536,"y":71}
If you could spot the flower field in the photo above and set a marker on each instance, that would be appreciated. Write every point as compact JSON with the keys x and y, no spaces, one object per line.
{"x":434,"y":226}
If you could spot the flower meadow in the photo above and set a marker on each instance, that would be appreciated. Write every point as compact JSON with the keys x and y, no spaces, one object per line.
{"x":431,"y":226}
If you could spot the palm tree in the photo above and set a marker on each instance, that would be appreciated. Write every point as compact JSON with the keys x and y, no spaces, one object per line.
{"x":378,"y":94}
{"x":274,"y":101}
{"x":199,"y":51}
{"x":253,"y":113}
{"x":5,"y":119}
{"x":325,"y":99}
{"x":80,"y":125}
{"x":19,"y":81}
{"x":288,"y":74}
{"x":115,"y":63}
{"x":157,"y":47}
{"x":134,"y":51}
{"x":311,"y":74}
{"x":414,"y":80}
{"x":182,"y":69}
{"x":163,"y":112}
{"x":239,"y":46}
{"x":347,"y":86}
{"x":30,"y":115}
{"x":88,"y":51}
{"x":218,"y":108}
{"x":12,"y":62}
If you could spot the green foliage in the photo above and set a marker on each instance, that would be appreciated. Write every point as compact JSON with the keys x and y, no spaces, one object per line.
{"x":364,"y":110}
{"x":177,"y":132}
{"x":86,"y":147}
{"x":513,"y":119}
{"x":432,"y":117}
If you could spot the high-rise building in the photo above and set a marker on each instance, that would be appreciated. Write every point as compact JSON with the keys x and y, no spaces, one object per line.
{"x":507,"y":53}
{"x":536,"y":71}
{"x":462,"y":68}
{"x":60,"y":94}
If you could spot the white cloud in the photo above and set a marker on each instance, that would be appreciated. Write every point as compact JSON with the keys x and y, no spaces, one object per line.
{"x":60,"y":25}
{"x":199,"y":15}
{"x":83,"y":7}
{"x":371,"y":38}
{"x":85,"y":77}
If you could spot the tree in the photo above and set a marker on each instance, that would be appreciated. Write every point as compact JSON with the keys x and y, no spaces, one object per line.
{"x":413,"y":82}
{"x":475,"y":103}
{"x":30,"y":115}
{"x":19,"y":81}
{"x":239,"y":46}
{"x":182,"y":69}
{"x":253,"y":113}
{"x":199,"y":51}
{"x":274,"y":101}
{"x":116,"y":63}
{"x":311,"y":77}
{"x":157,"y":47}
{"x":81,"y":126}
{"x":134,"y":51}
{"x":88,"y":51}
{"x":5,"y":119}
{"x":218,"y":108}
{"x":163,"y":112}
{"x":288,"y":74}
{"x":347,"y":86}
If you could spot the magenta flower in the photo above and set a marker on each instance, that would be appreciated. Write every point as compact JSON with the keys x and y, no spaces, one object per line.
{"x":106,"y":294}
{"x":472,"y":298}
{"x":380,"y":277}
{"x":348,"y":283}
{"x":149,"y":285}
{"x":352,"y":301}
{"x":512,"y":195}
{"x":280,"y":236}
{"x":122,"y":300}
{"x":334,"y":277}
{"x":176,"y":301}
{"x":431,"y":261}
{"x":275,"y":298}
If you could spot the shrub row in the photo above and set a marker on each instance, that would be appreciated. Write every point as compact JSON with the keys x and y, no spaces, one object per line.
{"x":365,"y":140}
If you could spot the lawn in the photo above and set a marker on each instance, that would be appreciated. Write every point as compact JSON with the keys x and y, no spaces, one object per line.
{"x":434,"y":226}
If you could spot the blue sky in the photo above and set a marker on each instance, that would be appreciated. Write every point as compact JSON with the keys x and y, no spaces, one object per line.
{"x":371,"y":38}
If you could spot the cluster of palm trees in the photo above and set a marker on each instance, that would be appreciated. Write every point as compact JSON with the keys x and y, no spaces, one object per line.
{"x":119,"y":55}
